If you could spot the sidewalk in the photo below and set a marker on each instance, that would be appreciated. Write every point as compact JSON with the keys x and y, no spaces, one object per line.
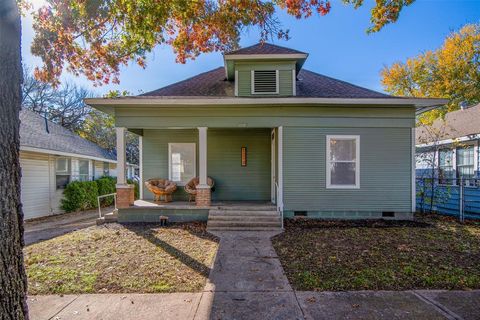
{"x":248,"y":282}
{"x":312,"y":305}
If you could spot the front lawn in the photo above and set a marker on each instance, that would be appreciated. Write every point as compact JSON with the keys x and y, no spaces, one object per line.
{"x":113,"y":258}
{"x":433,"y":252}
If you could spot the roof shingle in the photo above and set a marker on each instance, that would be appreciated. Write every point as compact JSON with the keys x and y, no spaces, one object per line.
{"x":460,"y":123}
{"x":265,"y":48}
{"x":33,"y":133}
{"x":309,"y":84}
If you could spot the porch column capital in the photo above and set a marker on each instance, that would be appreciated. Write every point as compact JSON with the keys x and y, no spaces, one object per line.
{"x":121,"y":155}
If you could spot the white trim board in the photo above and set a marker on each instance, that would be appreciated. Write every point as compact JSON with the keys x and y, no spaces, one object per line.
{"x":66,"y":154}
{"x":213,"y":102}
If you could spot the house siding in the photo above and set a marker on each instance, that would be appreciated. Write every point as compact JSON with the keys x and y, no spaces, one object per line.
{"x":155,"y":155}
{"x":256,"y":116}
{"x":232,"y":181}
{"x":385,"y":172}
{"x":285,"y":77}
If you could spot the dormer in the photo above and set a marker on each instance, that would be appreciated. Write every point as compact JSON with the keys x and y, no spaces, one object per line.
{"x":264,"y":70}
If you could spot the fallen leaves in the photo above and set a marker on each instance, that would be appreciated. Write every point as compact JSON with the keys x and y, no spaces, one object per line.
{"x":136,"y":258}
{"x":431,"y":252}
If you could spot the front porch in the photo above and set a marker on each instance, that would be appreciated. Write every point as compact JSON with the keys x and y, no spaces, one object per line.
{"x":241,"y":161}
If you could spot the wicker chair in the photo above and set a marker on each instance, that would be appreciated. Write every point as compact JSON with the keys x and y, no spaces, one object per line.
{"x":162,"y":189}
{"x":191,"y":187}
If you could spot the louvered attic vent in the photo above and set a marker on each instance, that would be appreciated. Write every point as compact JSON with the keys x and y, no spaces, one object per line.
{"x":264,"y":81}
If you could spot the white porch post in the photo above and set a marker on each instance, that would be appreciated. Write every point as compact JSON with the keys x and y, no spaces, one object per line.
{"x":140,"y":164}
{"x":125,"y":192}
{"x":202,"y":143}
{"x":414,"y":176}
{"x":280,"y":171}
{"x":203,"y":196}
{"x":121,"y":156}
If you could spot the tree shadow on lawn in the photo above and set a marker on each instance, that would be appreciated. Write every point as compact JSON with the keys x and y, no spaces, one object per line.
{"x":148,"y":232}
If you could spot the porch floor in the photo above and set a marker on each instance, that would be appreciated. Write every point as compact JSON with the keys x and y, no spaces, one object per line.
{"x":259,"y":205}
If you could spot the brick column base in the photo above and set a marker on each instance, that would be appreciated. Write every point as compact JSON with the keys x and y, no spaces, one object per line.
{"x":125,"y":195}
{"x":203,"y":196}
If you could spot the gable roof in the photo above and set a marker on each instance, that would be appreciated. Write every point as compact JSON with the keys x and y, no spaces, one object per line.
{"x":460,"y":123}
{"x":264,"y":48}
{"x":34,"y":134}
{"x":309,"y":85}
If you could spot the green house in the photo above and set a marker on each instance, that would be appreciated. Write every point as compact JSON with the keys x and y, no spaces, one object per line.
{"x":271,"y":133}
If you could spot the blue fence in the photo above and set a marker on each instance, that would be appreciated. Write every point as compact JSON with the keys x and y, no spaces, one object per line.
{"x":454,"y":197}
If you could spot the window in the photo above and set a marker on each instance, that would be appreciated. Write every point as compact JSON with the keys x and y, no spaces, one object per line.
{"x":446,"y":175}
{"x":181,"y":162}
{"x":465,"y":162}
{"x":62,"y":172}
{"x":106,"y":169}
{"x":83,"y":170}
{"x":343,"y":162}
{"x":264,"y":81}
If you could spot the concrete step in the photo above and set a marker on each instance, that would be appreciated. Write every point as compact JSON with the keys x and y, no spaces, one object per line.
{"x":244,"y":224}
{"x":248,"y":208}
{"x":242,"y":213}
{"x":271,"y":218}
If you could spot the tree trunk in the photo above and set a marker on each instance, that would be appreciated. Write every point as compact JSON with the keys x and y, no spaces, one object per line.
{"x":13,"y":280}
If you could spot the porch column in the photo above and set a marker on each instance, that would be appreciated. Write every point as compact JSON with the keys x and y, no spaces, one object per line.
{"x":125,"y":192}
{"x":203,"y":197}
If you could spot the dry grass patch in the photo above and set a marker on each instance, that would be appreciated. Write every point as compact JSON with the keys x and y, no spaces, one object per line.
{"x":114,"y":258}
{"x":433,"y":252}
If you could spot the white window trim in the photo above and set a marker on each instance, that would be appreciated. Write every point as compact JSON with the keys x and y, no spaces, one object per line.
{"x":252,"y":83}
{"x":181,"y":183}
{"x":329,"y":185}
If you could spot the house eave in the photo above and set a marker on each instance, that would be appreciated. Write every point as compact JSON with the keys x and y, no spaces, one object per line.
{"x":108,"y":104}
{"x":64,"y":154}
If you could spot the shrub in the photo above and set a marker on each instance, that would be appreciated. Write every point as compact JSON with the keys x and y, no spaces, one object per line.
{"x":82,"y":195}
{"x":136,"y":189}
{"x":106,"y":185}
{"x":75,"y":197}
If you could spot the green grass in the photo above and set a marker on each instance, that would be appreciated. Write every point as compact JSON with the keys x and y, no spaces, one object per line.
{"x":431,"y":253}
{"x":120,"y":259}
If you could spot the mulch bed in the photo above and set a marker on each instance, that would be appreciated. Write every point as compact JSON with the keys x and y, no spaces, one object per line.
{"x":431,"y":252}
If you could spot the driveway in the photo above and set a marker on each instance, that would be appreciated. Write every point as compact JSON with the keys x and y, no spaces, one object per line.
{"x":248,"y":282}
{"x":54,"y":226}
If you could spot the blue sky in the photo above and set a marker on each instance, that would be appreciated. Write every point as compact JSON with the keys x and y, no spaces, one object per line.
{"x":337,"y":43}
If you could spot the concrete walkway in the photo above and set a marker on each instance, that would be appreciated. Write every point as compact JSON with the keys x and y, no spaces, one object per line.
{"x":57,"y":225}
{"x":248,"y":282}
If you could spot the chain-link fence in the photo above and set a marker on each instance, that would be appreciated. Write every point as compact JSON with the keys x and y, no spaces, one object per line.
{"x":455,"y":197}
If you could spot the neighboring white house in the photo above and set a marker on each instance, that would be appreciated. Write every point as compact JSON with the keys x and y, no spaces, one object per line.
{"x":50,"y":157}
{"x":455,"y":140}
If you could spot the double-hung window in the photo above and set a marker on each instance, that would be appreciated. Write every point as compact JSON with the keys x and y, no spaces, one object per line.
{"x":446,"y":175}
{"x":62,"y":172}
{"x":181,"y":162}
{"x":343,"y":162}
{"x":83,"y":170}
{"x":465,"y":162}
